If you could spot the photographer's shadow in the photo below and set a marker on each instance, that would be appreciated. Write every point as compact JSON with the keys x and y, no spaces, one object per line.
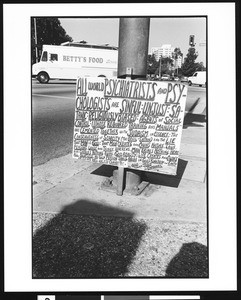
{"x":75,"y":244}
{"x":190,"y":262}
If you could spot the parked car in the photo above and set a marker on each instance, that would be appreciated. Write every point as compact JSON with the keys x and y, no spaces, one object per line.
{"x":165,"y":77}
{"x":184,"y":79}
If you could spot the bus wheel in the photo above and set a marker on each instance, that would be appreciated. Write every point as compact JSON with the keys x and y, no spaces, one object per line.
{"x":189,"y":82}
{"x":43,"y":77}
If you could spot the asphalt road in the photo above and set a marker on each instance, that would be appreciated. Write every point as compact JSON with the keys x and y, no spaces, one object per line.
{"x":53,"y":106}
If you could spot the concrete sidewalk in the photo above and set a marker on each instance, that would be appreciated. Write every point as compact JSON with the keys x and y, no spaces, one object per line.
{"x":74,"y":187}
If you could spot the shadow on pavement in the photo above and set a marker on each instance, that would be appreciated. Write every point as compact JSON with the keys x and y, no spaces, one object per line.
{"x":190,"y":262}
{"x":153,"y":178}
{"x":190,"y":119}
{"x":77,"y":246}
{"x":167,"y":180}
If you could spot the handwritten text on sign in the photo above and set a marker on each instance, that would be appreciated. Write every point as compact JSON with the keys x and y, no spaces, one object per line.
{"x":129,"y":123}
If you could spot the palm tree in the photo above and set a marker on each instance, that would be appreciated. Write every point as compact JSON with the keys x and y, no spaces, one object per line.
{"x":176,"y":54}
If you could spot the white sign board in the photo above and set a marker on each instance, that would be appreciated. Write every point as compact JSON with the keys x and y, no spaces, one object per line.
{"x":129,"y":123}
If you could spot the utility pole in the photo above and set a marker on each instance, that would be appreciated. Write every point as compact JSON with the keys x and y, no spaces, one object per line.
{"x":133,"y":46}
{"x":132,"y":58}
{"x":35,"y":39}
{"x":160,"y":67}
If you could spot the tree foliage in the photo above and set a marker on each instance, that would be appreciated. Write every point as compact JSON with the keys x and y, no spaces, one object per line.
{"x":152,"y":65}
{"x":49,"y":31}
{"x":200,"y":67}
{"x":177,"y":52}
{"x":166,"y":65}
{"x":189,"y":66}
{"x":176,"y":55}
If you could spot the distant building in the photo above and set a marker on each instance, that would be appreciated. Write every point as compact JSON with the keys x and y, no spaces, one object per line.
{"x":167,"y":51}
{"x":163,"y":51}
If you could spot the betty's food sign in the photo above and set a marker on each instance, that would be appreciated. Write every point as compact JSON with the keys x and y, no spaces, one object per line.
{"x":129,"y":123}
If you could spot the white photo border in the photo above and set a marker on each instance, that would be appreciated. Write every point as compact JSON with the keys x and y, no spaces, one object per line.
{"x":221,"y":147}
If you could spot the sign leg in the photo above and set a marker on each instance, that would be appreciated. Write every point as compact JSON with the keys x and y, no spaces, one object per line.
{"x":120,"y":181}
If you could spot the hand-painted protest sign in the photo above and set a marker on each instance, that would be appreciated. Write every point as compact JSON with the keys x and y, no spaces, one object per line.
{"x":129,"y":123}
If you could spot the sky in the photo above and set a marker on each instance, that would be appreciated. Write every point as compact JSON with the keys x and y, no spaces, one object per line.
{"x":174,"y":31}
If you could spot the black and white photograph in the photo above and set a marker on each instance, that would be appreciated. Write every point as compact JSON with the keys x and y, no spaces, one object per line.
{"x":119,"y":147}
{"x":125,"y":182}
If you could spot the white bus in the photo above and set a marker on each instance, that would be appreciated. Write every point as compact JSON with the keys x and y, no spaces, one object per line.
{"x":71,"y":60}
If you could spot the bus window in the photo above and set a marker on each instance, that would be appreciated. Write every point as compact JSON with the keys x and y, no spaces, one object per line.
{"x":53,"y":57}
{"x":44,"y":56}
